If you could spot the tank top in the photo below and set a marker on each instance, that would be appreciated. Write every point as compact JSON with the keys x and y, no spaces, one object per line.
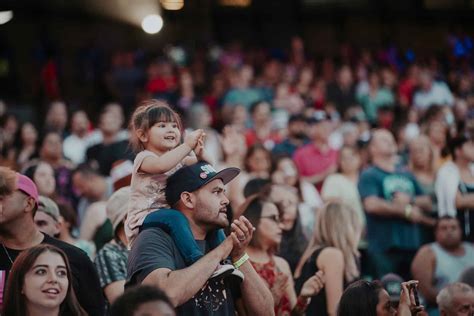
{"x":449,"y":267}
{"x":318,"y":305}
{"x":269,"y":271}
{"x":466,"y":216}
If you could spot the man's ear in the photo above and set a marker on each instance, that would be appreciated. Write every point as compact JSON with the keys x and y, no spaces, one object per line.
{"x":187,"y":199}
{"x":142,"y":136}
{"x":29,"y":206}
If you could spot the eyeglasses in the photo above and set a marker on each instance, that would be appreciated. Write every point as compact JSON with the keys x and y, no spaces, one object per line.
{"x":274,"y":218}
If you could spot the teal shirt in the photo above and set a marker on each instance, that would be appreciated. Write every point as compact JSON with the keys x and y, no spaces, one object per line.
{"x":385,"y":233}
{"x":245,"y":97}
{"x":384,"y":97}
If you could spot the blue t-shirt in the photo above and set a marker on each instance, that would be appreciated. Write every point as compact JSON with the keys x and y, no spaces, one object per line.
{"x":385,"y":233}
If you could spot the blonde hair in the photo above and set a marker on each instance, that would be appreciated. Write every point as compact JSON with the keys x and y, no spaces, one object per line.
{"x":337,"y":225}
{"x":424,"y":140}
{"x":147,"y":114}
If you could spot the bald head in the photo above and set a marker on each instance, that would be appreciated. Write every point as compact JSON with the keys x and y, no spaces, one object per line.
{"x":382,"y":145}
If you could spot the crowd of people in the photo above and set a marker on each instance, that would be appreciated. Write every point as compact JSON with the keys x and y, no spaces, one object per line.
{"x":250,"y":182}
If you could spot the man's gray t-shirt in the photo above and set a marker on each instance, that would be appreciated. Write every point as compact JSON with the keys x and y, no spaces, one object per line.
{"x":154,"y":249}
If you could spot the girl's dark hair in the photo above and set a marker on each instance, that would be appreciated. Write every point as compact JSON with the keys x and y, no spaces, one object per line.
{"x":360,"y":299}
{"x":15,"y":302}
{"x":131,"y":300}
{"x":148,"y":114}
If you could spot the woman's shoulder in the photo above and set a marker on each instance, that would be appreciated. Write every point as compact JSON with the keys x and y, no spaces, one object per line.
{"x":282,"y":264}
{"x":329,"y":255}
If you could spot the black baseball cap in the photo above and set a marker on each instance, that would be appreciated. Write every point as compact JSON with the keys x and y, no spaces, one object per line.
{"x":192,"y":178}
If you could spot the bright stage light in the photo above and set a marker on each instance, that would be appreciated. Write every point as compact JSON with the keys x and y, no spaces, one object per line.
{"x":152,"y":24}
{"x":172,"y":4}
{"x":5,"y":16}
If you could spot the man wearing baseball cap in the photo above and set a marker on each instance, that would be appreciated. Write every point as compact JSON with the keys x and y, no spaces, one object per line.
{"x":47,"y":216}
{"x":19,"y":201}
{"x":198,"y":192}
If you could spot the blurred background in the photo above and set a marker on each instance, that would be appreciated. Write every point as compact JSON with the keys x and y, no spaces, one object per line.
{"x":80,"y":40}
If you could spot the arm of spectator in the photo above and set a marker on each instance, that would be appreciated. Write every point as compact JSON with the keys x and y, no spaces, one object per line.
{"x":256,"y":296}
{"x":318,"y":178}
{"x":422,"y":269}
{"x":330,"y":188}
{"x":424,"y":202}
{"x":284,"y":267}
{"x":95,"y":216}
{"x":331,"y":262}
{"x":182,"y":285}
{"x":114,"y":290}
{"x":464,"y":200}
{"x":165,"y":162}
{"x":378,"y":206}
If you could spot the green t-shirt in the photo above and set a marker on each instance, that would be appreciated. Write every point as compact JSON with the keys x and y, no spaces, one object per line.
{"x":385,"y":233}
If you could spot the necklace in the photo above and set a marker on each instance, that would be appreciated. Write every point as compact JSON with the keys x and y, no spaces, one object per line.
{"x":8,"y":255}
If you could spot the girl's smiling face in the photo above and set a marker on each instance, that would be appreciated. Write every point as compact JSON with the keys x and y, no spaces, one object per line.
{"x":163,"y":136}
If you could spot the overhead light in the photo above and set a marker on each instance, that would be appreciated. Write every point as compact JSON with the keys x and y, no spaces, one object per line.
{"x":235,"y":3}
{"x":152,"y":24}
{"x":5,"y":16}
{"x":172,"y":4}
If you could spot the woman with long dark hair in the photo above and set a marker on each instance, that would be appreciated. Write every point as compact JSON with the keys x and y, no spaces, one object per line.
{"x":363,"y":298}
{"x":40,"y":283}
{"x":275,"y":270}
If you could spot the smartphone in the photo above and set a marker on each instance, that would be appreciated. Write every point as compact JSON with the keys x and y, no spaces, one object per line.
{"x":415,"y":294}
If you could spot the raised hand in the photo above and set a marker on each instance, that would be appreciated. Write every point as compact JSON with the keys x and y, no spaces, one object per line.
{"x":407,"y":305}
{"x":191,"y":139}
{"x":242,"y":233}
{"x":199,"y":149}
{"x":313,"y":285}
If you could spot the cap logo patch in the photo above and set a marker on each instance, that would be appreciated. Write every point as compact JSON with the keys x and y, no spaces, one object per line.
{"x":203,"y":175}
{"x":207,"y":169}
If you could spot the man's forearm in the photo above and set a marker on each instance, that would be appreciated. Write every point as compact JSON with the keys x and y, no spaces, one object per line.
{"x":424,"y":202}
{"x":465,"y":201}
{"x":377,"y":206}
{"x":256,"y":297}
{"x":182,"y":285}
{"x":316,"y":179}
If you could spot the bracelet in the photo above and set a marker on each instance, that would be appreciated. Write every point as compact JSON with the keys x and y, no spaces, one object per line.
{"x":408,"y":210}
{"x":241,"y":261}
{"x":302,"y":303}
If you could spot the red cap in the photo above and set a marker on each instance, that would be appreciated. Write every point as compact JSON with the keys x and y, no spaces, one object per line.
{"x":26,"y":185}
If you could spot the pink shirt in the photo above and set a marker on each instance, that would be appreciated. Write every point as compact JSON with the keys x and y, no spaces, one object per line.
{"x":147,"y":195}
{"x":311,"y":161}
